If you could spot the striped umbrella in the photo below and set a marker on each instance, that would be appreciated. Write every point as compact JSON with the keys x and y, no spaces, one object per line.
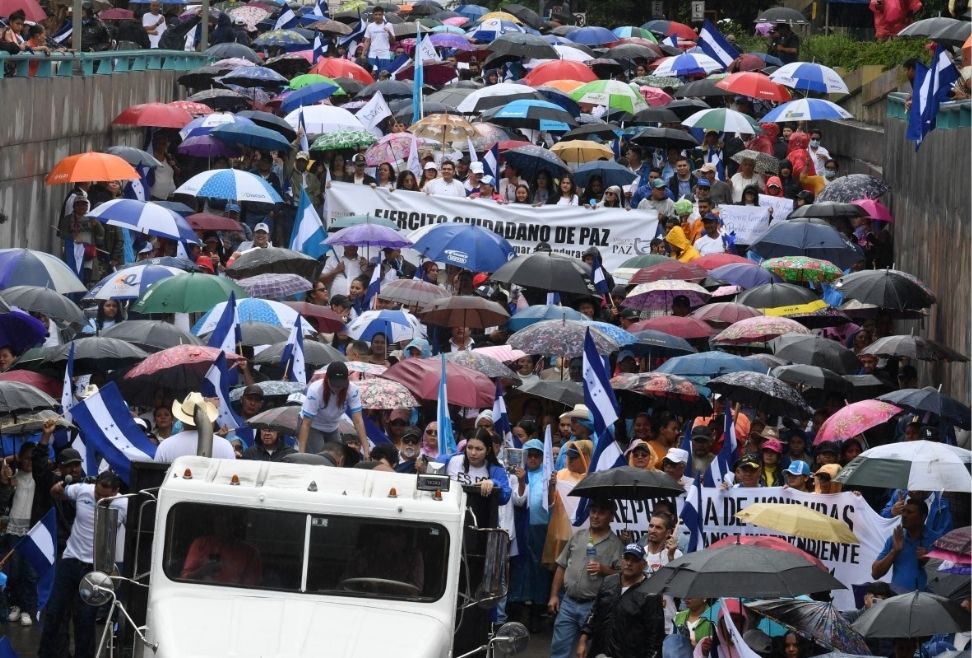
{"x":685,"y":65}
{"x":807,"y":76}
{"x":144,"y":217}
{"x":807,"y":109}
{"x":722,"y":120}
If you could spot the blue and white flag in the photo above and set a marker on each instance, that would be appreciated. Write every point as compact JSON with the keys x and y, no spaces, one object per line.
{"x":715,"y":45}
{"x":471,"y":150}
{"x":64,"y":32}
{"x":372,"y":113}
{"x":931,"y":87}
{"x":216,"y":385}
{"x":373,"y":431}
{"x":350,"y":41}
{"x":67,"y":393}
{"x":599,"y":276}
{"x":418,"y":81}
{"x":320,"y":9}
{"x":286,"y":20}
{"x":721,"y":466}
{"x":548,"y":461}
{"x":39,"y":548}
{"x":374,"y":287}
{"x":319,"y":49}
{"x":292,"y":358}
{"x":302,"y":130}
{"x":553,"y":298}
{"x":501,"y":419}
{"x":691,"y":518}
{"x":107,"y":429}
{"x":6,"y":651}
{"x":671,"y":40}
{"x":308,"y":234}
{"x":447,"y":441}
{"x":491,"y":162}
{"x":226,"y":336}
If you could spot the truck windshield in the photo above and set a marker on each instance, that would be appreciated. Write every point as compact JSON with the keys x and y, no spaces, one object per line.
{"x":306,"y":553}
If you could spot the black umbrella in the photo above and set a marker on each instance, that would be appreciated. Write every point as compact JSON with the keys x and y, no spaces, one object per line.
{"x":951,"y":31}
{"x":273,"y":260}
{"x":222,"y":99}
{"x":530,"y":159}
{"x":290,"y":64}
{"x":231,"y":50}
{"x":525,"y":14}
{"x":740,"y":570}
{"x":350,"y":85}
{"x":665,"y":138}
{"x":271,"y":121}
{"x":852,"y":187}
{"x":150,"y":335}
{"x":932,"y":401}
{"x":807,"y":237}
{"x":35,"y":299}
{"x":96,"y":354}
{"x":627,"y":483}
{"x":547,"y":271}
{"x":811,"y":377}
{"x":686,"y":107}
{"x":605,"y":67}
{"x":828,"y":210}
{"x":519,"y":45}
{"x":704,"y":88}
{"x":659,"y":344}
{"x":566,"y":393}
{"x":425,"y":8}
{"x":634,"y":51}
{"x":771,"y":295}
{"x":913,"y":347}
{"x":409,"y":29}
{"x":816,"y":351}
{"x":563,"y":30}
{"x":201,"y":78}
{"x":763,"y":392}
{"x":599,"y":129}
{"x":781,"y":15}
{"x":260,"y":333}
{"x":406,"y":115}
{"x":388,"y":88}
{"x":133,"y":156}
{"x":656,"y":115}
{"x":450,"y":96}
{"x":889,"y":289}
{"x":915,"y":614}
{"x":817,"y":621}
{"x":17,"y":398}
{"x":285,"y":420}
{"x":952,"y":586}
{"x":866,"y":387}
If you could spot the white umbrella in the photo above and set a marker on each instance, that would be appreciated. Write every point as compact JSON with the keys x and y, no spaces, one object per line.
{"x":568,"y":53}
{"x":911,"y":465}
{"x":504,"y":90}
{"x":399,"y":332}
{"x":320,"y":119}
{"x":722,"y":120}
{"x":686,"y":64}
{"x":809,"y":76}
{"x":230,"y":184}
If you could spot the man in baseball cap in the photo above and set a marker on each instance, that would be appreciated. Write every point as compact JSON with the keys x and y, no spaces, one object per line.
{"x":747,"y":470}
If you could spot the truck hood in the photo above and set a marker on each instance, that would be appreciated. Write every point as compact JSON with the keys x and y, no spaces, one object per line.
{"x":248,"y":626}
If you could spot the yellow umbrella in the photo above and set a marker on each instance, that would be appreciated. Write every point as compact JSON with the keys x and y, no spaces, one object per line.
{"x":798,"y":521}
{"x":579,"y":151}
{"x":796,"y":309}
{"x":501,"y":15}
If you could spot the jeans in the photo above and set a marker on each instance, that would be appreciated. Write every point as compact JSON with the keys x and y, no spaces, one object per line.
{"x":567,"y":626}
{"x":57,"y":613}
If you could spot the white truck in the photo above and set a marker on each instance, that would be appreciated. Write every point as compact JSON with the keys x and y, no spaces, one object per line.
{"x":257,"y":559}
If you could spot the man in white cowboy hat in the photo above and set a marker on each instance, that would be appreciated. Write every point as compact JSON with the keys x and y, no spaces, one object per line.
{"x":185,"y":442}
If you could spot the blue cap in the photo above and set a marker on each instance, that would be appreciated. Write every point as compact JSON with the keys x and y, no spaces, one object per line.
{"x":703,"y":182}
{"x":634,"y":550}
{"x":798,"y":467}
{"x":232,"y":207}
{"x":533,"y":444}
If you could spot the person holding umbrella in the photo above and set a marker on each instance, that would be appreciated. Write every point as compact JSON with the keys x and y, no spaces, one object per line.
{"x":904,"y":552}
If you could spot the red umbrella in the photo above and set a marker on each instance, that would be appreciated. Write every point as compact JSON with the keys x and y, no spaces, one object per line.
{"x":154,"y":115}
{"x":466,"y":387}
{"x":768,"y":541}
{"x":670,"y":28}
{"x":559,"y":69}
{"x":688,"y":328}
{"x":193,"y":108}
{"x":754,"y":85}
{"x":747,"y":62}
{"x":508,"y":144}
{"x":117,"y":14}
{"x":204,"y":221}
{"x":322,"y":317}
{"x":722,"y":314}
{"x":668,"y":271}
{"x":31,"y":8}
{"x":181,"y":367}
{"x":334,"y":67}
{"x":47,"y":384}
{"x":713,"y":261}
{"x":434,"y":74}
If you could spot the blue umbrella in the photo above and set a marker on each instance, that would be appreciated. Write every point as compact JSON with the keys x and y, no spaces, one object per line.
{"x":255,"y":76}
{"x":743,"y":275}
{"x":558,"y":97}
{"x":657,"y":344}
{"x":464,"y":245}
{"x":592,"y":35}
{"x":20,"y":331}
{"x":615,"y":333}
{"x":531,"y":113}
{"x":472,"y":12}
{"x":806,"y":109}
{"x":540,"y":312}
{"x":26,"y":267}
{"x":530,"y":159}
{"x":610,"y":172}
{"x":687,"y":64}
{"x":230,"y":184}
{"x":709,"y":365}
{"x":148,"y":218}
{"x":395,"y":325}
{"x":808,"y":76}
{"x":131,"y":282}
{"x":177,"y":207}
{"x":308,"y":95}
{"x":253,"y":309}
{"x":253,"y":136}
{"x":489,"y":30}
{"x":806,"y":237}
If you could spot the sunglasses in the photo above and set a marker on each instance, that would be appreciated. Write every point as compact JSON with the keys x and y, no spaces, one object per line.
{"x":432,"y":432}
{"x":411,"y":440}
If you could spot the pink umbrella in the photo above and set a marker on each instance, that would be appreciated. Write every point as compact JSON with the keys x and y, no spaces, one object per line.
{"x":757,"y":330}
{"x":655,"y":96}
{"x":874,"y":209}
{"x":855,"y":419}
{"x":456,"y":20}
{"x":466,"y":387}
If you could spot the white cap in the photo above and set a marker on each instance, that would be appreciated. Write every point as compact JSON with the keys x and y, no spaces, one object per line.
{"x":476,"y":167}
{"x":677,"y":456}
{"x":261,"y":227}
{"x":431,"y":165}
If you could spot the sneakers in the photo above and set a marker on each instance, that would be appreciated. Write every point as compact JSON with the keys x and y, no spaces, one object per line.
{"x":25,"y":619}
{"x":14,"y":613}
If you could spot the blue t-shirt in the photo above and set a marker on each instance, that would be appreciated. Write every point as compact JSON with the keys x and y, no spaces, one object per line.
{"x":906,"y":573}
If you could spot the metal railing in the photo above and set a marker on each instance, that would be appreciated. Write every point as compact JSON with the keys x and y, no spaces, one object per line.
{"x":951,"y":115}
{"x":106,"y":62}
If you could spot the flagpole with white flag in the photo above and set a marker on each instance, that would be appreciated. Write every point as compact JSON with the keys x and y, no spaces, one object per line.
{"x":292,"y":358}
{"x":308,"y":234}
{"x":67,"y":393}
{"x":548,"y":465}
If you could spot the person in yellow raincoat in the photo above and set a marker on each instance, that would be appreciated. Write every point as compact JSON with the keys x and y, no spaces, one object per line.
{"x":679,"y":243}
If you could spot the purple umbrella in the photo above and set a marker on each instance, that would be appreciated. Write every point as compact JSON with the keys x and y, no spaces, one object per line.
{"x":205,"y":146}
{"x":743,"y":275}
{"x":454,"y":41}
{"x":368,"y":235}
{"x":20,"y":331}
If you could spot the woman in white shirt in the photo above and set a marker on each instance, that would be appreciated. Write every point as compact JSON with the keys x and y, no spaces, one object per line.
{"x":745,"y":177}
{"x":568,"y":192}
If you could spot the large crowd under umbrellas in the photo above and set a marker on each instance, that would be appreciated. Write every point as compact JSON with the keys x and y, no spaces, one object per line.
{"x":757,"y":336}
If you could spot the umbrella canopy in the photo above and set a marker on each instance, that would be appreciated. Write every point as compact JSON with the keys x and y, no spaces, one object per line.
{"x":745,"y":276}
{"x":233,"y":50}
{"x":579,"y":151}
{"x":191,"y":293}
{"x":20,"y":331}
{"x":722,"y":120}
{"x":853,"y":187}
{"x":626,"y":483}
{"x":131,"y":282}
{"x":337,"y":67}
{"x":285,"y":420}
{"x":443,"y":128}
{"x":664,"y":138}
{"x":179,"y":368}
{"x":381,"y":393}
{"x":687,"y":64}
{"x":17,"y":398}
{"x":559,"y":69}
{"x":758,"y":329}
{"x":950,"y":31}
{"x":204,"y":221}
{"x":321,"y":119}
{"x":811,"y":377}
{"x":874,"y":209}
{"x":783,"y":15}
{"x":316,"y":354}
{"x":722,"y":314}
{"x":816,"y":621}
{"x":133,"y":156}
{"x":492,"y":368}
{"x":713,"y":261}
{"x":566,"y":393}
{"x":91,"y":167}
{"x":933,"y":401}
{"x":538,"y":312}
{"x":654,"y":344}
{"x":341,"y":140}
{"x":816,"y":351}
{"x":530,"y":113}
{"x":806,"y":109}
{"x":230,"y":184}
{"x":890,"y":289}
{"x":714,"y":572}
{"x":810,"y":77}
{"x":855,"y":419}
{"x":612,"y":94}
{"x":911,"y":465}
{"x":763,"y":163}
{"x":35,"y":299}
{"x":798,"y":521}
{"x":96,"y":354}
{"x":560,"y":337}
{"x":913,"y":347}
{"x":256,"y":137}
{"x":146,"y":218}
{"x":26,"y":267}
{"x":915,"y":614}
{"x":50,"y":385}
{"x":763,"y":392}
{"x":397,"y":326}
{"x":801,"y":269}
{"x":274,"y":286}
{"x":466,"y":387}
{"x":257,"y":311}
{"x":547,"y":271}
{"x":659,"y":295}
{"x":412,"y":292}
{"x":827,"y":210}
{"x":368,"y":235}
{"x":662,"y":386}
{"x":688,"y":328}
{"x":464,"y":311}
{"x":150,"y":335}
{"x":754,"y":85}
{"x":806,"y":237}
{"x":611,"y":173}
{"x":273,"y":260}
{"x":530,"y":160}
{"x":464,"y":245}
{"x":769,"y":541}
{"x":708,"y":364}
{"x":153,"y":115}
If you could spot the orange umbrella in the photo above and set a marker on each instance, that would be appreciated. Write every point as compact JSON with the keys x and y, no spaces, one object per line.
{"x":565,"y":86}
{"x":967,"y":52}
{"x":91,"y":167}
{"x":335,"y":67}
{"x":559,"y":69}
{"x":754,"y":85}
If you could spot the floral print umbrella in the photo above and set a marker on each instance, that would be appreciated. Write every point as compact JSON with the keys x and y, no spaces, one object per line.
{"x":560,"y":337}
{"x":658,"y":295}
{"x":802,"y":269}
{"x":487,"y":365}
{"x":343,"y":139}
{"x":380,"y":393}
{"x":855,"y":419}
{"x":757,"y":330}
{"x":656,"y":384}
{"x":763,"y":392}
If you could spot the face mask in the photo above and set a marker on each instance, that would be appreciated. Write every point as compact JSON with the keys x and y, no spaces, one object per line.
{"x":828,"y":174}
{"x":814,"y":143}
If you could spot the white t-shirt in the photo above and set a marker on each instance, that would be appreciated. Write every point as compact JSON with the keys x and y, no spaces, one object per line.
{"x":474,"y":475}
{"x":740,"y":183}
{"x":440,"y":187}
{"x":186,"y":443}
{"x":80,"y":545}
{"x":654,"y":562}
{"x":23,"y":501}
{"x":324,"y":418}
{"x":568,"y":201}
{"x":820,"y":157}
{"x":341,"y":284}
{"x":381,"y":36}
{"x":706,"y":245}
{"x":149,"y":20}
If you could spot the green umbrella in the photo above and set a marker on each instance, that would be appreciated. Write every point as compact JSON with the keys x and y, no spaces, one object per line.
{"x":724,"y":121}
{"x":355,"y":220}
{"x":190,"y":293}
{"x":307,"y":79}
{"x":343,"y":139}
{"x":613,"y":94}
{"x":802,"y":269}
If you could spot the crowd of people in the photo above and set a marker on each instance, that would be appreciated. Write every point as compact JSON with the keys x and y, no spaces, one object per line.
{"x":587,"y":583}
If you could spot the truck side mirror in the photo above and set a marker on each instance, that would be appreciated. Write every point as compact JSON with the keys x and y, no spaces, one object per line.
{"x":105,"y":538}
{"x":493,"y":585}
{"x":511,"y":638}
